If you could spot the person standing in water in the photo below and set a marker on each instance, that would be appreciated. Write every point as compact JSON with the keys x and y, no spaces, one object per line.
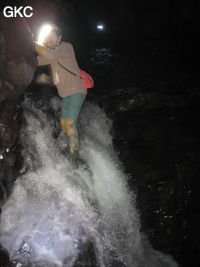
{"x":66,"y":76}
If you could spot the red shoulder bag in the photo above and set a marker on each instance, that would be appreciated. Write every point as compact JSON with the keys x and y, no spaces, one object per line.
{"x":87,"y":79}
{"x":84,"y":76}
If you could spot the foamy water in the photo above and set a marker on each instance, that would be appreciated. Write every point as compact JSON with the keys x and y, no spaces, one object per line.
{"x":54,"y":211}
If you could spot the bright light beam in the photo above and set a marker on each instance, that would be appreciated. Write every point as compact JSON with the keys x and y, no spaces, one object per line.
{"x":100,"y":27}
{"x":44,"y":31}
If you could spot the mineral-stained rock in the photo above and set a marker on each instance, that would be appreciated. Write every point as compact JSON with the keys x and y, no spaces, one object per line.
{"x":17,"y":62}
{"x":17,"y":67}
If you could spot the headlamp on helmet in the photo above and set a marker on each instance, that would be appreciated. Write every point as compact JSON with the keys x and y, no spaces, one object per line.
{"x":45,"y":30}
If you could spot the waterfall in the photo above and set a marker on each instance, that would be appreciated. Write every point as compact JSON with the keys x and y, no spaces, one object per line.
{"x":57,"y":216}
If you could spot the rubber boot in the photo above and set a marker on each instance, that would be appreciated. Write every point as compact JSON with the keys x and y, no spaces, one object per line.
{"x":73,"y":150}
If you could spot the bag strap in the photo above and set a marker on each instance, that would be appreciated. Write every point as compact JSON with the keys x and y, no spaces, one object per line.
{"x":67,"y":69}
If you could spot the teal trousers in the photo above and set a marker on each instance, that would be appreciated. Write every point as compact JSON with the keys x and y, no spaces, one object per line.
{"x":71,"y":106}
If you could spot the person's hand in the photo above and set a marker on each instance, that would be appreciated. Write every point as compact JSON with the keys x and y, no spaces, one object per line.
{"x":40,"y":49}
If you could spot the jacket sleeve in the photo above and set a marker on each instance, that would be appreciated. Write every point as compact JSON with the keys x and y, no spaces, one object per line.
{"x":42,"y":61}
{"x":56,"y":54}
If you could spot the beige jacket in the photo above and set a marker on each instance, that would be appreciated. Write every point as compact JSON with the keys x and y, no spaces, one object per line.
{"x":67,"y":84}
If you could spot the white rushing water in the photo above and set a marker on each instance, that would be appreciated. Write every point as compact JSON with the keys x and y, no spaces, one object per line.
{"x":56,"y":214}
